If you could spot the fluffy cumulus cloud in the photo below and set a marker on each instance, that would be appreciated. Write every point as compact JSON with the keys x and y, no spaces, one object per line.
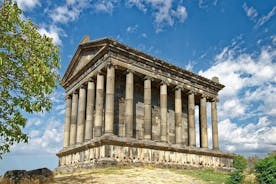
{"x":27,"y":4}
{"x":71,"y":10}
{"x":46,"y":140}
{"x":247,"y":106}
{"x":254,"y":138}
{"x":164,"y":11}
{"x":68,"y":12}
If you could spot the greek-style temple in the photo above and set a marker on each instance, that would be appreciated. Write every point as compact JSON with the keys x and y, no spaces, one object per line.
{"x":125,"y":107}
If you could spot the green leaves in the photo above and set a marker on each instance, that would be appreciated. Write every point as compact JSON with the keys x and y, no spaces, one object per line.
{"x":239,"y":163}
{"x":266,"y":170}
{"x":28,"y":65}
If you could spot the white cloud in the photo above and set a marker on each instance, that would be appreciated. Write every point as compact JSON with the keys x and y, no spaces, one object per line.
{"x":206,"y":3}
{"x":163,"y":11}
{"x":250,"y":11}
{"x":68,"y":12}
{"x":132,"y":29}
{"x":254,"y":138}
{"x":52,"y":32}
{"x":247,"y":104}
{"x":180,"y":13}
{"x":104,"y":6}
{"x":27,"y":4}
{"x":48,"y":142}
{"x":267,"y":17}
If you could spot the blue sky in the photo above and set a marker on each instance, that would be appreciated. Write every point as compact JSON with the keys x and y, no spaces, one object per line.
{"x":235,"y":40}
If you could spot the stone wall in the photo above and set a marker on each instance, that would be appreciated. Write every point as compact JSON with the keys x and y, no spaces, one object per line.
{"x":110,"y":155}
{"x":111,"y":150}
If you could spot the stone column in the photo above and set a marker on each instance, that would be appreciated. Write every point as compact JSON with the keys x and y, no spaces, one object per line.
{"x":109,"y":105}
{"x":99,"y":106}
{"x":74,"y":115}
{"x":191,"y":119}
{"x":178,"y":115}
{"x":203,"y":123}
{"x":129,"y":104}
{"x":147,"y":108}
{"x":214,"y":124}
{"x":163,"y":111}
{"x":90,"y":110}
{"x":81,"y":114}
{"x":67,"y":121}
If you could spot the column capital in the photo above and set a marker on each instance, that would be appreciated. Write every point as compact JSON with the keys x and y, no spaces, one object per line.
{"x":164,"y":82}
{"x":203,"y":96}
{"x":191,"y":92}
{"x":100,"y":72}
{"x":68,"y":97}
{"x":82,"y":86}
{"x":91,"y":79}
{"x":130,"y":71}
{"x":214,"y":99}
{"x":178,"y":87}
{"x":148,"y":78}
{"x":109,"y":64}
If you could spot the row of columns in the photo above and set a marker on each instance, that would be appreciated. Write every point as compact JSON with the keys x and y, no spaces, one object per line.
{"x":79,"y":129}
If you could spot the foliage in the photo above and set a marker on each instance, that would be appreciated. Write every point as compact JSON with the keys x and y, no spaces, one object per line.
{"x":28,"y":63}
{"x":239,"y":163}
{"x":266,"y":170}
{"x":235,"y":177}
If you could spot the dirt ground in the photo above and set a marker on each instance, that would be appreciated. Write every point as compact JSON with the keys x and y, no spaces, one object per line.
{"x":129,"y":175}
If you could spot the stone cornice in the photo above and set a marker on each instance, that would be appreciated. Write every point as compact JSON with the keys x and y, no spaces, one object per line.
{"x":111,"y":47}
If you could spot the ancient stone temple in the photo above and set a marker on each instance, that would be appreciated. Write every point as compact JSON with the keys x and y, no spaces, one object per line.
{"x":126,"y":107}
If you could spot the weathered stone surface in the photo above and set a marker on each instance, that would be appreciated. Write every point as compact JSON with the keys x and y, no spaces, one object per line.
{"x":144,"y":111}
{"x":42,"y":175}
{"x":112,"y":150}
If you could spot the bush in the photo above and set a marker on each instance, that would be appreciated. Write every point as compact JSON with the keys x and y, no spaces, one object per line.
{"x":239,"y":163}
{"x":266,"y":170}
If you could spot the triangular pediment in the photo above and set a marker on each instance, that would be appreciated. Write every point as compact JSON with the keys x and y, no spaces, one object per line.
{"x":84,"y":59}
{"x":81,"y":60}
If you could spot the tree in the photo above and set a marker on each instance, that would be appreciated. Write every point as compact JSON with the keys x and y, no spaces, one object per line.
{"x":28,"y":73}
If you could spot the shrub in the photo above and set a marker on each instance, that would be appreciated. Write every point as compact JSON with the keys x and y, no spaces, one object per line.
{"x":239,"y":163}
{"x":266,"y":170}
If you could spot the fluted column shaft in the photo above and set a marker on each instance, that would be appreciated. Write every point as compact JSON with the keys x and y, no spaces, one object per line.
{"x":129,"y":104}
{"x":90,"y":110}
{"x":203,"y":123}
{"x":99,"y":106}
{"x":109,"y":105}
{"x":214,"y":125}
{"x":74,"y":115}
{"x":67,"y":121}
{"x":147,"y":109}
{"x":81,"y":115}
{"x":191,"y":119}
{"x":178,"y":115}
{"x":163,"y":110}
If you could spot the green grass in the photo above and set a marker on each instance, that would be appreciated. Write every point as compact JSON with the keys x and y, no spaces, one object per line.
{"x":208,"y":175}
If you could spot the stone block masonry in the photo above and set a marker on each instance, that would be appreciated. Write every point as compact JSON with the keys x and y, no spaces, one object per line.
{"x":126,"y":107}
